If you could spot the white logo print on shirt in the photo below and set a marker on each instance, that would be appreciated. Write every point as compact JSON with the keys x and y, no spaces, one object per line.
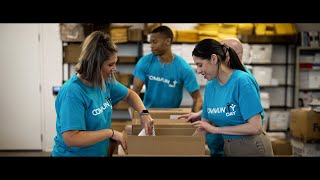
{"x":101,"y":109}
{"x":233,"y":106}
{"x":171,"y":83}
{"x":223,"y":110}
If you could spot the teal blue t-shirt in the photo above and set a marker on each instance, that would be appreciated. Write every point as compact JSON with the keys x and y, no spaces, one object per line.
{"x":256,"y":85}
{"x":84,"y":108}
{"x":248,"y":71}
{"x":233,"y":103}
{"x":164,"y":82}
{"x":215,"y":141}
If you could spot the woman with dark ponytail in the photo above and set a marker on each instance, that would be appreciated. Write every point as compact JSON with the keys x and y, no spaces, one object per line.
{"x":84,"y":103}
{"x":232,"y":105}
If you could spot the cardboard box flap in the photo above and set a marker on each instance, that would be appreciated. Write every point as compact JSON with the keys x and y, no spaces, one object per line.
{"x":163,"y":130}
{"x":162,"y":113}
{"x":165,"y":122}
{"x":166,"y":145}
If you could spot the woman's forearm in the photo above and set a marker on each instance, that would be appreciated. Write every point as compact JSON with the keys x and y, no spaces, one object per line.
{"x":85,"y":138}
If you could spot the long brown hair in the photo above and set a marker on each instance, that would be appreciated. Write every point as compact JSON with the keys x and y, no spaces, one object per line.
{"x":95,"y":49}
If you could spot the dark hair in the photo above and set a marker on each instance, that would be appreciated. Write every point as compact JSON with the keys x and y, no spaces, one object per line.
{"x":164,"y":30}
{"x":206,"y":47}
{"x":95,"y":49}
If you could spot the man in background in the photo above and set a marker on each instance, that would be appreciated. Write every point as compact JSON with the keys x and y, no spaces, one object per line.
{"x":165,"y":74}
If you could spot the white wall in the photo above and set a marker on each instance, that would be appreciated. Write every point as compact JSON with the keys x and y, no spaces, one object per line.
{"x":20,"y":121}
{"x":51,"y":75}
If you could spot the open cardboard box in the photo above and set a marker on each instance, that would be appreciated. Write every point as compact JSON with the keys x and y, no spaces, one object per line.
{"x":170,"y":142}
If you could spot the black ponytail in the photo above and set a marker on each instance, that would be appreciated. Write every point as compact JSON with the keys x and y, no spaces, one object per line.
{"x":234,"y":61}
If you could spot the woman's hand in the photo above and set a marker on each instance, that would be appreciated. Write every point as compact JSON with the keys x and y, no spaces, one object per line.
{"x":191,"y":117}
{"x":147,"y":124}
{"x":120,"y":138}
{"x":205,"y":126}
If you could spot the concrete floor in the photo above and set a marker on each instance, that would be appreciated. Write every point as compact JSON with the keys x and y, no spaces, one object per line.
{"x":24,"y":154}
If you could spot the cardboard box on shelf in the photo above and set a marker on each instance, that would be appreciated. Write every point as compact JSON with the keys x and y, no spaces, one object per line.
{"x":285,"y":29}
{"x":260,"y":53}
{"x":279,"y":120}
{"x":119,"y":34}
{"x":264,"y":29}
{"x":309,"y":79}
{"x":245,"y":28}
{"x":124,"y":79}
{"x":186,"y":36}
{"x":305,"y":124}
{"x":134,"y":34}
{"x":263,"y":75}
{"x":71,"y":53}
{"x":127,"y":59}
{"x":228,"y":28}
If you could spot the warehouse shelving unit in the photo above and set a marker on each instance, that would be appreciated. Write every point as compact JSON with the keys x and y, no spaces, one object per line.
{"x":309,"y":67}
{"x":282,"y":63}
{"x":287,"y":43}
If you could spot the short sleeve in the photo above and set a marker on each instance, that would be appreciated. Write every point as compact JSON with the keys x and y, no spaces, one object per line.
{"x":118,"y":92}
{"x":72,"y":114}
